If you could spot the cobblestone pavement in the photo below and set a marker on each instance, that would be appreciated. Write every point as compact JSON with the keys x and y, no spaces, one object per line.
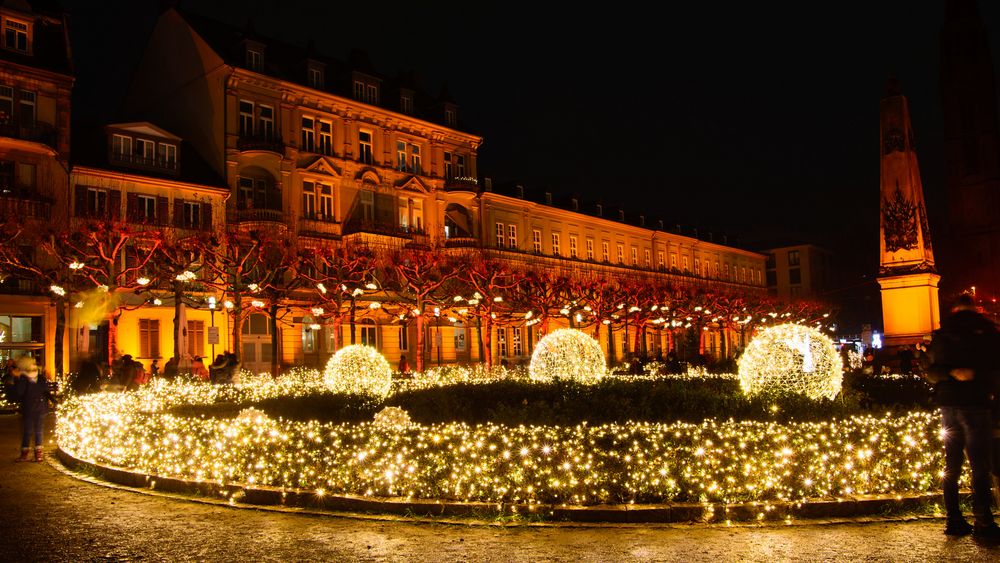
{"x":48,"y":515}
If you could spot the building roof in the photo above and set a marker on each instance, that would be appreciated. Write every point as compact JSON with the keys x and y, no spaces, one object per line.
{"x":290,"y":62}
{"x":90,"y":148}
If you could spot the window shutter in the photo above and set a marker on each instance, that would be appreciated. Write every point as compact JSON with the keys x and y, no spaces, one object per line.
{"x":179,"y":212}
{"x":162,"y":210}
{"x":81,"y":200}
{"x":114,"y":205}
{"x":132,"y":207}
{"x":206,"y":210}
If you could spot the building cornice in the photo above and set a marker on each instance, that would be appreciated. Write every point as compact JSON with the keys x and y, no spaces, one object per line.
{"x":153,"y":180}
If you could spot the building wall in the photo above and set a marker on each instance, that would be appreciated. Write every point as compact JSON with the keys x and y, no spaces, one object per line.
{"x":798,"y":272}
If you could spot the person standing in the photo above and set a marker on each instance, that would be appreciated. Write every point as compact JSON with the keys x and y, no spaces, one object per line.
{"x":33,"y":393}
{"x":964,"y":373}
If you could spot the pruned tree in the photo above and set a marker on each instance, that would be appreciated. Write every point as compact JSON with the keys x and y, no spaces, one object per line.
{"x":176,"y":269}
{"x":540,"y":293}
{"x":419,"y":275}
{"x":340,"y":275}
{"x":280,"y":265}
{"x":490,"y":282}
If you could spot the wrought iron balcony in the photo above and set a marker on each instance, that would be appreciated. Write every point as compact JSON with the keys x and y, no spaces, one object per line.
{"x":461,"y":184}
{"x":272,"y":143}
{"x":385,"y":229}
{"x":38,"y":132}
{"x":24,"y":204}
{"x":154,"y":163}
{"x":256,"y":216}
{"x":461,"y":242}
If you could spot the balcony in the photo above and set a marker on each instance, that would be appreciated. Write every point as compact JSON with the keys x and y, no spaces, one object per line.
{"x":270,"y":143}
{"x":385,"y":229}
{"x":461,"y":242}
{"x":256,"y":216}
{"x":154,"y":164}
{"x":18,"y":286}
{"x":38,"y":132}
{"x":461,"y":184}
{"x":24,"y":204}
{"x":318,"y":217}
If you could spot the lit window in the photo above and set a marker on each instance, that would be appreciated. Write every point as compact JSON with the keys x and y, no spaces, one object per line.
{"x":590,"y":249}
{"x":635,"y":256}
{"x":149,"y":338}
{"x":646,"y":256}
{"x":673,"y":260}
{"x":536,"y":241}
{"x":555,"y":244}
{"x":659,"y":260}
{"x":572,"y":246}
{"x":512,"y":236}
{"x":500,"y":235}
{"x":621,"y":254}
{"x":502,"y":342}
{"x":326,"y":138}
{"x":365,"y":147}
{"x":793,"y":257}
{"x":605,"y":253}
{"x":684,"y":262}
{"x":308,"y":134}
{"x":515,"y":340}
{"x":697,"y":265}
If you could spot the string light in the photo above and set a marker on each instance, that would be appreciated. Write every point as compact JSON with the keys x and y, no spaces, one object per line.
{"x":569,"y":354}
{"x":791,"y":358}
{"x":359,"y":370}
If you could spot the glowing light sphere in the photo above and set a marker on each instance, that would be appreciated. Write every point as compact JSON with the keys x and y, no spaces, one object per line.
{"x":360,"y":370}
{"x":791,"y":358}
{"x":568,"y":354}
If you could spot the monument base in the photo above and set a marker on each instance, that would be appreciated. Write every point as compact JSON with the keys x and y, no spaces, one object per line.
{"x":910,"y":309}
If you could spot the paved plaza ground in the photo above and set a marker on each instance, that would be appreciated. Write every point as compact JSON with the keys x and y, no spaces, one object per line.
{"x":48,"y":515}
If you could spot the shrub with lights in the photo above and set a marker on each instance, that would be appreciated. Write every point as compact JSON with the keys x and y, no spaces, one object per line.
{"x":791,"y":358}
{"x":360,"y":370}
{"x":568,"y":354}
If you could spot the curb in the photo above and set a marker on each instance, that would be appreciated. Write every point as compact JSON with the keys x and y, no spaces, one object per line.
{"x":266,"y":497}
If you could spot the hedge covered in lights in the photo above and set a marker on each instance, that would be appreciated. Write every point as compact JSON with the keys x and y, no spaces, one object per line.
{"x":716,"y":460}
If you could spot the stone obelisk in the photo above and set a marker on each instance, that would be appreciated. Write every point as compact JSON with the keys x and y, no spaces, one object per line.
{"x":907,"y":276}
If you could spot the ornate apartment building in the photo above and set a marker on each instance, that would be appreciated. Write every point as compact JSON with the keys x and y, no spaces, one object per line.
{"x":230,"y":129}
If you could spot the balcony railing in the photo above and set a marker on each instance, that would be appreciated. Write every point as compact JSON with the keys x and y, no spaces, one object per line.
{"x":256,"y":215}
{"x":320,"y":217}
{"x":461,"y":242}
{"x":272,"y":143}
{"x":149,"y":163}
{"x":461,"y":184}
{"x":24,"y":205}
{"x":37,"y":131}
{"x":18,"y":286}
{"x":384,"y":228}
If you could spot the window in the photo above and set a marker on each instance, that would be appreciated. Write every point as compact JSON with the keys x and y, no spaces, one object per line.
{"x":772,"y":278}
{"x":515,"y":341}
{"x":325,"y":138}
{"x":743,"y":274}
{"x":400,"y":155}
{"x":536,"y":241}
{"x":645,"y":254}
{"x":460,"y":165}
{"x":367,"y":205}
{"x":411,"y":214}
{"x":448,"y":171}
{"x":21,"y":329}
{"x":502,"y":342}
{"x":621,"y":254}
{"x":771,"y":262}
{"x":308,"y":135}
{"x":27,"y":108}
{"x":15,"y":36}
{"x":500,"y":235}
{"x":255,"y":59}
{"x":635,"y":256}
{"x":145,"y":209}
{"x":697,"y":265}
{"x":167,"y":154}
{"x":590,"y":249}
{"x":359,"y":90}
{"x":795,"y":276}
{"x":659,"y":260}
{"x":144,"y":150}
{"x":192,"y":215}
{"x":308,"y":336}
{"x":404,"y":338}
{"x":372,"y":94}
{"x":6,"y":104}
{"x":512,"y":236}
{"x":605,"y":253}
{"x":572,"y":247}
{"x":365,"y":147}
{"x":246,"y":118}
{"x":121,"y":145}
{"x":684,"y":262}
{"x":325,"y":209}
{"x":314,"y":76}
{"x":415,"y":159}
{"x":308,"y":199}
{"x":725,"y":271}
{"x":364,"y":92}
{"x":97,"y":202}
{"x":449,"y":117}
{"x":793,"y":257}
{"x":673,"y":260}
{"x":149,"y":338}
{"x":196,"y":338}
{"x":715,"y":269}
{"x":25,"y":176}
{"x":555,"y":244}
{"x":369,"y":333}
{"x":265,"y":125}
{"x":406,"y":104}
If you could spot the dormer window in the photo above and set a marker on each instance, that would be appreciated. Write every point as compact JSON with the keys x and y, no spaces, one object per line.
{"x":136,"y":150}
{"x":121,"y":147}
{"x":167,"y":154}
{"x":17,"y":35}
{"x":314,"y":76}
{"x":600,"y":210}
{"x":449,"y":117}
{"x":406,"y":103}
{"x":366,"y":92}
{"x":255,"y":57}
{"x":621,"y":215}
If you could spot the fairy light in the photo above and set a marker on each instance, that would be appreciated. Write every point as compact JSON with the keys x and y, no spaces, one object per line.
{"x":318,"y":311}
{"x":142,"y":281}
{"x":791,"y":358}
{"x":74,"y":265}
{"x":359,"y":370}
{"x":58,"y":290}
{"x":188,"y":275}
{"x":569,"y":354}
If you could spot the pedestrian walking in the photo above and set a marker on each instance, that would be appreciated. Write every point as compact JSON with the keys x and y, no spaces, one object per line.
{"x":33,"y":394}
{"x":964,"y":371}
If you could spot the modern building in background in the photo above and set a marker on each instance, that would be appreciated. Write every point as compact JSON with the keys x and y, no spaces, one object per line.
{"x":36,"y":83}
{"x":800,"y":271}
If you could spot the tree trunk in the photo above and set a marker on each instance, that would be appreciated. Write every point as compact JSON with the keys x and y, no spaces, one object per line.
{"x":611,"y":345}
{"x":237,"y":342}
{"x":60,"y":330}
{"x":177,"y":323}
{"x":543,"y":327}
{"x":272,"y":318}
{"x":420,"y":339}
{"x":338,"y":322}
{"x":353,"y":328}
{"x":487,"y":357}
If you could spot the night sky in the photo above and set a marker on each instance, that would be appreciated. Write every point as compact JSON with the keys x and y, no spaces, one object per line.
{"x":757,"y":119}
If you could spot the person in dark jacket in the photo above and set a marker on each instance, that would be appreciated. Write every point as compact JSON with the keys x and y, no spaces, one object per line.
{"x":33,"y":393}
{"x":964,"y":370}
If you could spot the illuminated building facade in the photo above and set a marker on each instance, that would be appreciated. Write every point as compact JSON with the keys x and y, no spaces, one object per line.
{"x":36,"y":81}
{"x":331,"y":152}
{"x":799,"y":271}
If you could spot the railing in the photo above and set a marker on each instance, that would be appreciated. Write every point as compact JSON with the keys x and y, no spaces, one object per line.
{"x":381,"y":228}
{"x":272,"y":143}
{"x":461,"y":242}
{"x":18,"y":286}
{"x":248,"y":215}
{"x":37,"y":131}
{"x":320,"y":217}
{"x":464,"y":184}
{"x":152,"y":163}
{"x":14,"y":204}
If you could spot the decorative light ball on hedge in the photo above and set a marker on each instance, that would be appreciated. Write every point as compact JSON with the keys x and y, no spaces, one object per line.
{"x":791,"y":358}
{"x":568,"y":354}
{"x":360,"y":370}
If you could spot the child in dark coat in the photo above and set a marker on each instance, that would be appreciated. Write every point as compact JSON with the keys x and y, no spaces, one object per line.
{"x":32,"y":392}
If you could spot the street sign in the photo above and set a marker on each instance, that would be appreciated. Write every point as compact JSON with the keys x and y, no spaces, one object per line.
{"x":213,"y":335}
